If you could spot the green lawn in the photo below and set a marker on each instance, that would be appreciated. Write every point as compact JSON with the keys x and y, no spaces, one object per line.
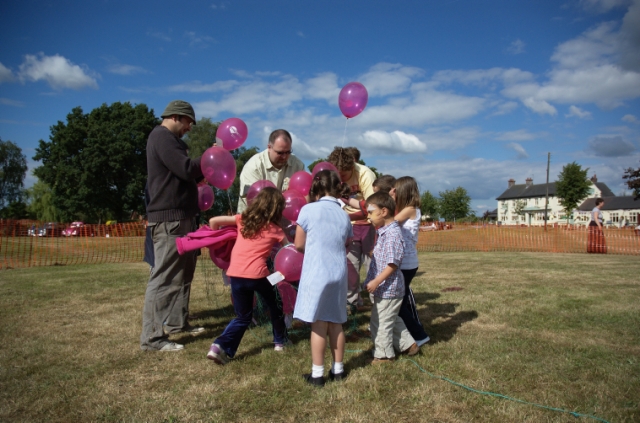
{"x":558,"y":330}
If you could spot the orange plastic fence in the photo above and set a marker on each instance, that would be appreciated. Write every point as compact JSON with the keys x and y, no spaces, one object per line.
{"x":124,"y":242}
{"x":555,"y":239}
{"x":29,"y":243}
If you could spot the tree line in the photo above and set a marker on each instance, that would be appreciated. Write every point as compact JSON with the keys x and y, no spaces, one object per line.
{"x":94,"y":169}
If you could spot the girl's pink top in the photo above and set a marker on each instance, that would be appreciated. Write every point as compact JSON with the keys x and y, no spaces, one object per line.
{"x":249,"y":256}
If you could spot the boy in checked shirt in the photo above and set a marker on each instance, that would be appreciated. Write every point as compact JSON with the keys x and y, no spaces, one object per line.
{"x":386,"y":283}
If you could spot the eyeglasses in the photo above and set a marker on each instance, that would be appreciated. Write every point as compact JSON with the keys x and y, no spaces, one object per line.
{"x":281,"y":153}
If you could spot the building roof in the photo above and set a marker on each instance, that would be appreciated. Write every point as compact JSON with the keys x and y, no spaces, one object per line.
{"x":612,"y":203}
{"x":528,"y":191}
{"x":540,"y":190}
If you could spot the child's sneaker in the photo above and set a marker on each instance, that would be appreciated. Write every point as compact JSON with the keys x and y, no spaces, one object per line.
{"x":280,"y":347}
{"x":217,"y":354}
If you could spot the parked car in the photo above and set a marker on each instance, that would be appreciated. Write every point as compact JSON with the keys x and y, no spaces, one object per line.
{"x":32,"y":231}
{"x":78,"y":229}
{"x":50,"y":229}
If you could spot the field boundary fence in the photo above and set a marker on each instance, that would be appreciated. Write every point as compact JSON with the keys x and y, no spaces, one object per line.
{"x":124,"y":242}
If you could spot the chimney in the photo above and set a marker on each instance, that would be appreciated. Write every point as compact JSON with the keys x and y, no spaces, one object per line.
{"x":529,"y":182}
{"x":594,"y":179}
{"x":512,"y":182}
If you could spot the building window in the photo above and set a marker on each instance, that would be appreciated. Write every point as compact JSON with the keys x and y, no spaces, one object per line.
{"x":614,"y":217}
{"x":633,"y":218}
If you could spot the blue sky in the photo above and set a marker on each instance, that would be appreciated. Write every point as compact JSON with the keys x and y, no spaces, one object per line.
{"x":461,"y":93}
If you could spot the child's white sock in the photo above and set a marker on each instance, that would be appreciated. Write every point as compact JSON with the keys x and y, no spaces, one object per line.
{"x":337,"y":368}
{"x":317,"y":371}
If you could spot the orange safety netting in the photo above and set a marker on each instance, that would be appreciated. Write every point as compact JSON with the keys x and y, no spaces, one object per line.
{"x":555,"y":239}
{"x":124,"y":242}
{"x":29,"y":243}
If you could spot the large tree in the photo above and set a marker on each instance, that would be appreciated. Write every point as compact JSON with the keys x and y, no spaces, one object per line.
{"x":429,"y":205}
{"x":201,"y":137}
{"x":13,"y":169}
{"x":455,"y":204}
{"x":96,"y":163}
{"x":633,"y":181}
{"x":41,"y":203}
{"x":572,"y":187}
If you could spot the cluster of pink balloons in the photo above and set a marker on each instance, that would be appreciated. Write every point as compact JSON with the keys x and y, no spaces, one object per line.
{"x":217,"y":164}
{"x":288,"y":261}
{"x":353,"y":99}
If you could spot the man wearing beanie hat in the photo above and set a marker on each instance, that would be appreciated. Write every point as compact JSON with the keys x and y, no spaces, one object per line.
{"x":173,"y":205}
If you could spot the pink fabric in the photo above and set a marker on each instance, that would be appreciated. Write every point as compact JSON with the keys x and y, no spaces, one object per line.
{"x":288,"y":294}
{"x":219,"y":241}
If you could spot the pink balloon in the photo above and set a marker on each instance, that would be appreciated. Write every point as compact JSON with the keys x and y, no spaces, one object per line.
{"x":289,"y":262}
{"x":293,"y":202}
{"x":205,"y":197}
{"x":218,"y":167}
{"x":256,"y":187}
{"x":301,"y":182}
{"x":353,"y":99}
{"x":323,"y":166}
{"x":233,"y":133}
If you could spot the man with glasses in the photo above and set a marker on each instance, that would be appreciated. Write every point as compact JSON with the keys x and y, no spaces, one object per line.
{"x":275,"y":164}
{"x":173,"y":204}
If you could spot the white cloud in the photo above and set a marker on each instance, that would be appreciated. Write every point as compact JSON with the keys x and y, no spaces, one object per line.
{"x":516,"y":47}
{"x":160,"y":35}
{"x":521,"y":152}
{"x":126,"y":69}
{"x":196,"y":40}
{"x":630,"y":118}
{"x":484,"y":77}
{"x":602,"y":6}
{"x":630,"y":38}
{"x":255,"y":96}
{"x":396,"y":142}
{"x":438,"y":139}
{"x":199,"y":87}
{"x":300,"y":34}
{"x":578,"y":112}
{"x":57,"y":71}
{"x":611,"y":146}
{"x":426,"y":107}
{"x":519,"y":135}
{"x":5,"y":74}
{"x":9,"y":102}
{"x":323,"y":86}
{"x":539,"y":106}
{"x":386,"y":79}
{"x":505,"y":107}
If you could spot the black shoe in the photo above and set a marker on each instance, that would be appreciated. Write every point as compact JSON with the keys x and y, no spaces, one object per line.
{"x":315,"y":381}
{"x":337,"y":377}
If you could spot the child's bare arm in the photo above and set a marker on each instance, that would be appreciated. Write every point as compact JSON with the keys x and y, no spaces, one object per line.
{"x":300,"y":240}
{"x":406,"y":213}
{"x":386,"y":272}
{"x":216,"y":222}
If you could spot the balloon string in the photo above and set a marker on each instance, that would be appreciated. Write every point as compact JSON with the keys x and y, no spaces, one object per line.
{"x":345,"y":132}
{"x":229,"y":200}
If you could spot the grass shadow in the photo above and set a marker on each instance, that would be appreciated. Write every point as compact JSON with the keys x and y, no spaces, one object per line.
{"x":449,"y":321}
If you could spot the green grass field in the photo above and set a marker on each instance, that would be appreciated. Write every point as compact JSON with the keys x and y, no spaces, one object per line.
{"x":557,"y":330}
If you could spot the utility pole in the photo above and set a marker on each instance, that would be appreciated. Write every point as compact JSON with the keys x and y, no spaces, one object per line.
{"x":546,"y":200}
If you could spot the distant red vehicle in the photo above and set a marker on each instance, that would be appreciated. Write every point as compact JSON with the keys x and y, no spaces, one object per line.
{"x":78,"y":229}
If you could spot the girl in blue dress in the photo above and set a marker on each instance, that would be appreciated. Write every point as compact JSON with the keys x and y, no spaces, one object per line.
{"x":323,"y":233}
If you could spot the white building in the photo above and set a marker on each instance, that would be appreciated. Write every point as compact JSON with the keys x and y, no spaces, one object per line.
{"x":529,"y":199}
